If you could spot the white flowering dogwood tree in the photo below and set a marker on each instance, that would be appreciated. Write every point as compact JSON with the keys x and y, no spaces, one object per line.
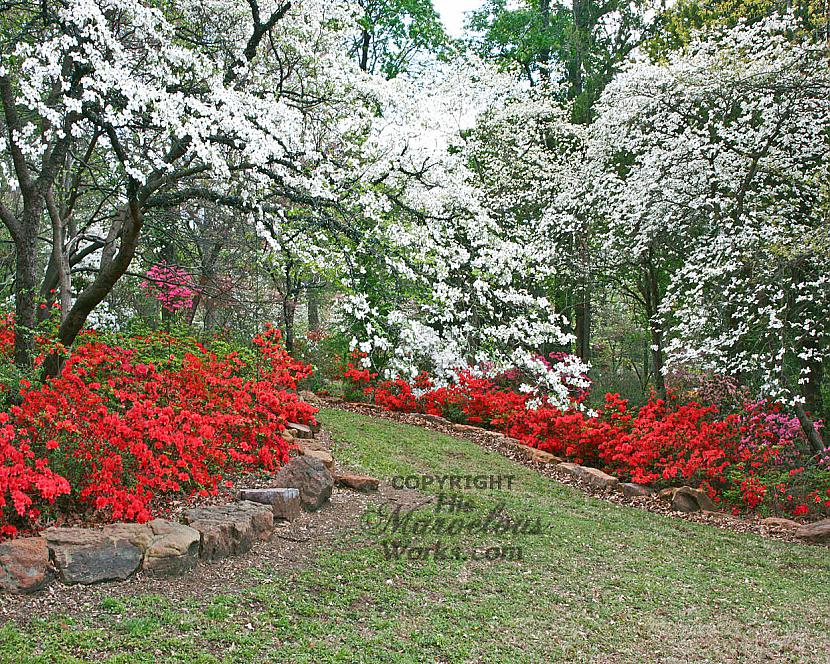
{"x":464,"y":271}
{"x":713,"y":167}
{"x":115,"y":109}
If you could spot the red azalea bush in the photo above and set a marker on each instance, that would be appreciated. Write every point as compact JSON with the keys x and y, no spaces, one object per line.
{"x":114,"y":431}
{"x":751,"y":455}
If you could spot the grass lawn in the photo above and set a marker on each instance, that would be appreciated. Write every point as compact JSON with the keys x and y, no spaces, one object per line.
{"x":599,"y":583}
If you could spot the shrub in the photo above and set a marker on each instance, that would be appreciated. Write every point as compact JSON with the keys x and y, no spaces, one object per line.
{"x":115,"y":432}
{"x":750,"y":454}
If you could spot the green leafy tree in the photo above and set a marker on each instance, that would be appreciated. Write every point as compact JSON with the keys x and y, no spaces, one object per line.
{"x":577,"y":47}
{"x":396,"y":34}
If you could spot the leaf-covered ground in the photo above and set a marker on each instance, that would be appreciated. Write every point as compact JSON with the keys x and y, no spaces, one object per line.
{"x":600,"y":583}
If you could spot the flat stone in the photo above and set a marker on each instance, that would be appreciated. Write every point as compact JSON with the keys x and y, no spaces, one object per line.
{"x":307,"y":446}
{"x":287,"y":435}
{"x":633,"y":490}
{"x":817,"y":533}
{"x":174,"y":550}
{"x":284,"y":502}
{"x":536,"y":455}
{"x":779,"y":522}
{"x":85,"y":556}
{"x":591,"y":476}
{"x":300,"y":430}
{"x":361,"y":483}
{"x":229,"y":530}
{"x":310,"y":476}
{"x":24,"y":565}
{"x":688,"y":499}
{"x":323,"y":455}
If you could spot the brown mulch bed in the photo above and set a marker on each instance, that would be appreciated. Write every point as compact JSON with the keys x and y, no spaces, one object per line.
{"x":499,"y":443}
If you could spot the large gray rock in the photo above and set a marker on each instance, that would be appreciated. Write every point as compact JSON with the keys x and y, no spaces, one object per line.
{"x":591,"y":476}
{"x":24,"y":565}
{"x":285,"y":503}
{"x":817,"y":533}
{"x":84,"y":555}
{"x":228,"y":530}
{"x":311,"y":477}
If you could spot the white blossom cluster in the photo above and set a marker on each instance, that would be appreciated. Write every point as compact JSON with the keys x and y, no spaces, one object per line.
{"x":472,"y":269}
{"x":715,"y":165}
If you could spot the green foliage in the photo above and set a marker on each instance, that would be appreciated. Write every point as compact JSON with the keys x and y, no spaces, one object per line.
{"x":677,"y":25}
{"x":396,"y":33}
{"x":577,"y":47}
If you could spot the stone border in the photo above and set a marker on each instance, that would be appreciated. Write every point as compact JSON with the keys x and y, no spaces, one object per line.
{"x":164,"y":548}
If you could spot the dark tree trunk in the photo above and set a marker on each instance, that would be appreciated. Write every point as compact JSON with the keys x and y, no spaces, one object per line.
{"x":811,"y":390}
{"x":313,"y":297}
{"x":289,"y":307}
{"x":582,"y":316}
{"x":544,"y":54}
{"x":366,"y":40}
{"x":650,"y":292}
{"x":112,"y":269}
{"x":808,"y":426}
{"x":25,"y":294}
{"x":574,"y":66}
{"x":582,"y":304}
{"x":208,"y":275}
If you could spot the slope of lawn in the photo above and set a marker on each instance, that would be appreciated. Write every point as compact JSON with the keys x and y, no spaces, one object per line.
{"x":600,"y":583}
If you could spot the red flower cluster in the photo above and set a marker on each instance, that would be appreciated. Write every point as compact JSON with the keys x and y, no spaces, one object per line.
{"x":754,"y":457}
{"x":115,"y":430}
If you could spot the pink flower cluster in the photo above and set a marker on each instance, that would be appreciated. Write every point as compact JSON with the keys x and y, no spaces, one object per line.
{"x":171,"y":285}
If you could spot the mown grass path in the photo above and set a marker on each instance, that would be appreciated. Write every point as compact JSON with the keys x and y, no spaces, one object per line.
{"x":600,"y":583}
